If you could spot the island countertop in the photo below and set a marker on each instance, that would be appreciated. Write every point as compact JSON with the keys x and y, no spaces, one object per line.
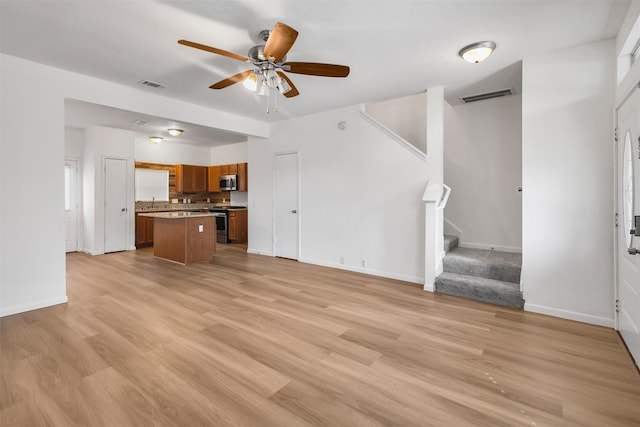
{"x":179,"y":214}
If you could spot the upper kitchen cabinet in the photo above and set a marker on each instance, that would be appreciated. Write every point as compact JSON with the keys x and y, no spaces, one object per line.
{"x":191,"y":179}
{"x":214,"y":179}
{"x":231,"y":169}
{"x":243,"y":183}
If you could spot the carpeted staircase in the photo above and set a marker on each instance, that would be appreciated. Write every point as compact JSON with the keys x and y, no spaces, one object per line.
{"x":482,"y":275}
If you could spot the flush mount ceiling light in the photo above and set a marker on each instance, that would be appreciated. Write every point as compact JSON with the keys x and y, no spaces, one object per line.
{"x":156,"y":139}
{"x":175,"y":132}
{"x":477,"y":52}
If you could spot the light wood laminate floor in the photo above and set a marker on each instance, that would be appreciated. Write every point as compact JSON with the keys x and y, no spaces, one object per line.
{"x":250,"y":340}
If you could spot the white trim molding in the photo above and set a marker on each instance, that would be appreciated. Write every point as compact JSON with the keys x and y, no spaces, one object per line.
{"x":33,"y":306}
{"x":391,"y":134}
{"x":379,"y":273}
{"x":570,"y":315}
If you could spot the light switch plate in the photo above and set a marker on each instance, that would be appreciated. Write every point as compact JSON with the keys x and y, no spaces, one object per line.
{"x":201,"y":228}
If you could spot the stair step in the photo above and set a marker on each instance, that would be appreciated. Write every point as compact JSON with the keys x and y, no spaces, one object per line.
{"x":480,"y":289}
{"x":496,"y":265}
{"x":450,"y":243}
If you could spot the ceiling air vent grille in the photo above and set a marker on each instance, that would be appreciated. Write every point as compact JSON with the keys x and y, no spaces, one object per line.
{"x":152,"y":84}
{"x":487,"y":95}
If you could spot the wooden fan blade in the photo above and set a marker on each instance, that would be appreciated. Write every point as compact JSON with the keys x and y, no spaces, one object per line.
{"x":214,"y":50}
{"x":280,"y":41}
{"x":294,"y":91}
{"x":231,"y":80}
{"x":318,"y":69}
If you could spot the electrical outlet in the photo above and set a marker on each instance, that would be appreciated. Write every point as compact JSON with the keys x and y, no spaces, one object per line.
{"x":363,"y":262}
{"x":342,"y":261}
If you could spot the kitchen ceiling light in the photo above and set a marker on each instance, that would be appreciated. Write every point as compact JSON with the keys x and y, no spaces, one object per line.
{"x":477,"y":52}
{"x":156,"y":139}
{"x":175,"y":132}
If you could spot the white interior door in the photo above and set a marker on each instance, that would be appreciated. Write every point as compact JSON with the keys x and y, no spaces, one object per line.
{"x":71,"y":205}
{"x":116,"y":218}
{"x":286,"y":205}
{"x":628,"y":246}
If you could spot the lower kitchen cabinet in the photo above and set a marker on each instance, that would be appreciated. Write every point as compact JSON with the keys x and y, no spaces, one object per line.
{"x":238,"y":226}
{"x":144,"y":231}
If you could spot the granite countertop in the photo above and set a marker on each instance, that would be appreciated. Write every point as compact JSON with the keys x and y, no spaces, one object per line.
{"x":179,"y":214}
{"x":186,"y":207}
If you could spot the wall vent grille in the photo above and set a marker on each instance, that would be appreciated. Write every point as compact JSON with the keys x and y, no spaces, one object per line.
{"x":152,"y":84}
{"x":486,"y":95}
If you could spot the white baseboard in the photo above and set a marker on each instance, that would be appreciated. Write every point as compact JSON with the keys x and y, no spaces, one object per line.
{"x":429,"y":288}
{"x":490,"y":247}
{"x":570,"y":315}
{"x":93,"y":253}
{"x":8,"y":311}
{"x":388,"y":275}
{"x":258,"y":252}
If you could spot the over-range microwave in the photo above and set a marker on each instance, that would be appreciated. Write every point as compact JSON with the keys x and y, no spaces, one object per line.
{"x":228,"y":182}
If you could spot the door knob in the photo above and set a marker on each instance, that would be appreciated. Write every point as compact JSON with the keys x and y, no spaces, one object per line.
{"x":294,"y":211}
{"x":634,"y":251}
{"x":123,"y":210}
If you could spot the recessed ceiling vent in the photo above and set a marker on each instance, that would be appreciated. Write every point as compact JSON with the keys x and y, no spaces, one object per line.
{"x":152,"y":84}
{"x":486,"y":95}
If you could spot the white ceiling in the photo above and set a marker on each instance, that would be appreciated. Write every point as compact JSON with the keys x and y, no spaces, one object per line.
{"x":79,"y":114}
{"x":394,"y":48}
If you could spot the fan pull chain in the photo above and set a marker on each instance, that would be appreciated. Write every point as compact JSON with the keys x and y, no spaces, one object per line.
{"x":275,"y":103}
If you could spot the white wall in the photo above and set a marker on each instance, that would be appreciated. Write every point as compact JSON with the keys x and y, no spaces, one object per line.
{"x":171,"y":153}
{"x":32,"y":273}
{"x":405,"y":116}
{"x":351,"y":204}
{"x":32,"y":154}
{"x":230,"y":153}
{"x":73,"y":143}
{"x":102,"y":142}
{"x":483,"y":167}
{"x":567,"y":175}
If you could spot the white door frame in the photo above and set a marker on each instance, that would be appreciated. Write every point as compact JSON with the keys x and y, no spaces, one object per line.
{"x":616,"y":281}
{"x":273,"y":203}
{"x":620,"y":135}
{"x":78,"y":198}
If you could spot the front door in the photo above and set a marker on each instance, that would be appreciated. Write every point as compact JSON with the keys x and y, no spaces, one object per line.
{"x":116,"y":218}
{"x":286,"y":205}
{"x":628,"y":245}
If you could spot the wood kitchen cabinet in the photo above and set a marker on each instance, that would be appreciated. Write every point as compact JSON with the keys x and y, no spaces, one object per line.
{"x":242,"y":177}
{"x":191,"y":179}
{"x":238,"y":226}
{"x":214,"y":179}
{"x":231,"y":169}
{"x":144,"y":231}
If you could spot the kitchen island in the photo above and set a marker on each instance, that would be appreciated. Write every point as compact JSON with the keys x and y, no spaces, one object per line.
{"x":184,"y":237}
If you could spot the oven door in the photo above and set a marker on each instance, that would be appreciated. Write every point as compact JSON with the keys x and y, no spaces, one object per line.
{"x":222,"y":234}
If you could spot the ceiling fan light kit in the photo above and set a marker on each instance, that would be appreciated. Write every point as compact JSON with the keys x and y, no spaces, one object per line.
{"x":477,"y":52}
{"x":269,"y":62}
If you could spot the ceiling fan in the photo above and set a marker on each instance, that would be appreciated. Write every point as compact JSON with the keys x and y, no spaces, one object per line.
{"x":269,"y":64}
